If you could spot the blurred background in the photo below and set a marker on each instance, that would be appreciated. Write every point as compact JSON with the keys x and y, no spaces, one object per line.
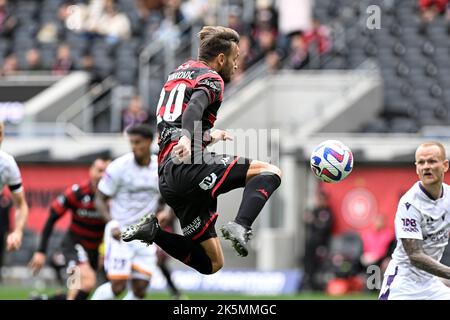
{"x":373,"y":74}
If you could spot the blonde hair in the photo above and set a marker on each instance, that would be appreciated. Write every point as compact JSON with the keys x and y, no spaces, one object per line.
{"x":215,"y":40}
{"x":434,"y":143}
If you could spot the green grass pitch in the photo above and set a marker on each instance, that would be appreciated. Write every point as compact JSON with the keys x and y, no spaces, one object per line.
{"x":20,"y":293}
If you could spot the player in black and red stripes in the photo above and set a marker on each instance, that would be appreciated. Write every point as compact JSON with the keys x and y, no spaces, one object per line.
{"x":191,"y":178}
{"x":85,"y":233}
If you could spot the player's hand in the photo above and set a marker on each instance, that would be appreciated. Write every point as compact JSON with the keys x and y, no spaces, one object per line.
{"x":14,"y":240}
{"x":183,"y":149}
{"x":37,"y":262}
{"x":115,"y":232}
{"x":220,"y":135}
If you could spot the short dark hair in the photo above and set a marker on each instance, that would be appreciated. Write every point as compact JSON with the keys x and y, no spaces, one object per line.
{"x":216,"y":40}
{"x":143,"y":130}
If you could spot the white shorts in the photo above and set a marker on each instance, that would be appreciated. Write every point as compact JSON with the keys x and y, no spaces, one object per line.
{"x":398,"y":286}
{"x":125,"y":260}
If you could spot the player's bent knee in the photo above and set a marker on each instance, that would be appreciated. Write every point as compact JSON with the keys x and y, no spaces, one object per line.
{"x":259,"y":167}
{"x":275,"y":170}
{"x":216,"y":266}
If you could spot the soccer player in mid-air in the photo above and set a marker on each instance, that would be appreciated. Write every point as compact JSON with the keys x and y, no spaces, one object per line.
{"x":422,"y":226}
{"x":10,"y":175}
{"x":80,"y":244}
{"x":190,"y":177}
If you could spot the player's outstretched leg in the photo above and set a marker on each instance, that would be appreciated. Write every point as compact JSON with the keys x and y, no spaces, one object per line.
{"x":261,"y":181}
{"x":186,"y":250}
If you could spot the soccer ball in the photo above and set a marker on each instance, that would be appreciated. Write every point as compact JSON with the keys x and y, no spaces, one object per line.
{"x":331,"y":161}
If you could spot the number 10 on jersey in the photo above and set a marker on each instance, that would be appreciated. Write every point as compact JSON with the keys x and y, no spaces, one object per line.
{"x":172,"y":110}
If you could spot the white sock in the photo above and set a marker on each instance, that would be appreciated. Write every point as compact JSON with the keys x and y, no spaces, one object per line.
{"x":130,"y":296}
{"x":104,"y":292}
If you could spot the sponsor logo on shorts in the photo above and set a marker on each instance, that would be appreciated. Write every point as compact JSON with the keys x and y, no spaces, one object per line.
{"x":208,"y":182}
{"x":192,"y":227}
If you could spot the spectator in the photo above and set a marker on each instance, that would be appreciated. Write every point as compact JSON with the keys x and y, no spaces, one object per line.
{"x":273,"y":61}
{"x":295,"y":15}
{"x":10,"y":65}
{"x":172,"y":11}
{"x":200,"y":11}
{"x":429,"y":9}
{"x":73,"y":15}
{"x":265,"y":16}
{"x":134,"y":114}
{"x":63,"y":63}
{"x":113,"y":25}
{"x":7,"y":19}
{"x":266,"y":40}
{"x":297,"y":55}
{"x":318,"y":224}
{"x":33,"y":60}
{"x":48,"y":33}
{"x":235,"y":19}
{"x":376,"y":242}
{"x":319,"y":37}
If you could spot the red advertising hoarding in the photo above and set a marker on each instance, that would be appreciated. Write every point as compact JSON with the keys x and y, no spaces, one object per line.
{"x":366,"y":192}
{"x":42,"y":184}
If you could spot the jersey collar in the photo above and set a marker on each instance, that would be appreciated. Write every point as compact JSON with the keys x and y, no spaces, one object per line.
{"x":428,"y":194}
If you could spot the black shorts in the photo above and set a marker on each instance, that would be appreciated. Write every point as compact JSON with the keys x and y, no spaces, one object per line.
{"x":75,"y":254}
{"x":192,"y":189}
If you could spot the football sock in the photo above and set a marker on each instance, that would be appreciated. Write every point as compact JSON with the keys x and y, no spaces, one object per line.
{"x":104,"y":292}
{"x":185,"y":250}
{"x":130,"y":296}
{"x":82,"y":295}
{"x":256,"y":193}
{"x":165,"y":271}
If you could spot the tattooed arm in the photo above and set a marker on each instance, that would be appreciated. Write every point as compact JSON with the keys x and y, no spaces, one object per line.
{"x":421,"y":260}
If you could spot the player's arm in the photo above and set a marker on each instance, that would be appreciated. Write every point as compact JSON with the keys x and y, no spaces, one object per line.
{"x":102,"y":206}
{"x":191,"y":123}
{"x":220,"y":135}
{"x":191,"y":120}
{"x":14,"y":239}
{"x":107,"y":188}
{"x":39,"y":257}
{"x":421,"y":260}
{"x":58,"y":208}
{"x":14,"y":180}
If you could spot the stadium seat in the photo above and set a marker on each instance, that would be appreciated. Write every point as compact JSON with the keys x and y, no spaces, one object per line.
{"x":403,"y":125}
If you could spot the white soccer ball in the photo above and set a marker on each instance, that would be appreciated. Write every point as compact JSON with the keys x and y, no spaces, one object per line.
{"x":331,"y":161}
